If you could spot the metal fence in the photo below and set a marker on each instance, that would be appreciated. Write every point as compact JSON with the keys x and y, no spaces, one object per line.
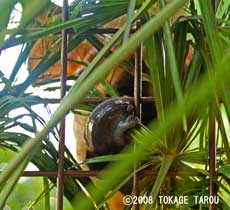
{"x":138,"y":100}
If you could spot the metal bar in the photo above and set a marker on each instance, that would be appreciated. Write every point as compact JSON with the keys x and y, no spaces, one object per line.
{"x":214,"y":5}
{"x":212,"y":156}
{"x":212,"y":144}
{"x":145,"y":100}
{"x":137,"y":102}
{"x":91,"y":100}
{"x":74,"y":173}
{"x":64,"y":53}
{"x":137,"y":77}
{"x":98,"y":31}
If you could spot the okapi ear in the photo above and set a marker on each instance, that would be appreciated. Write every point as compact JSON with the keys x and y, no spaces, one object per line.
{"x":107,"y":126}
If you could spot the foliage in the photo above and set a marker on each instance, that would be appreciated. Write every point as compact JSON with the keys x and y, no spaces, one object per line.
{"x":188,"y":60}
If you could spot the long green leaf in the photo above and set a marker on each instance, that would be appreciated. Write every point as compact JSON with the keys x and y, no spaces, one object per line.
{"x":5,"y":11}
{"x":211,"y":30}
{"x":130,"y":12}
{"x":166,"y":164}
{"x":153,"y":56}
{"x":173,"y":64}
{"x":7,"y":190}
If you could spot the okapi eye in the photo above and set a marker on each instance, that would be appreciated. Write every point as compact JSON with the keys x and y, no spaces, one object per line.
{"x":80,"y":72}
